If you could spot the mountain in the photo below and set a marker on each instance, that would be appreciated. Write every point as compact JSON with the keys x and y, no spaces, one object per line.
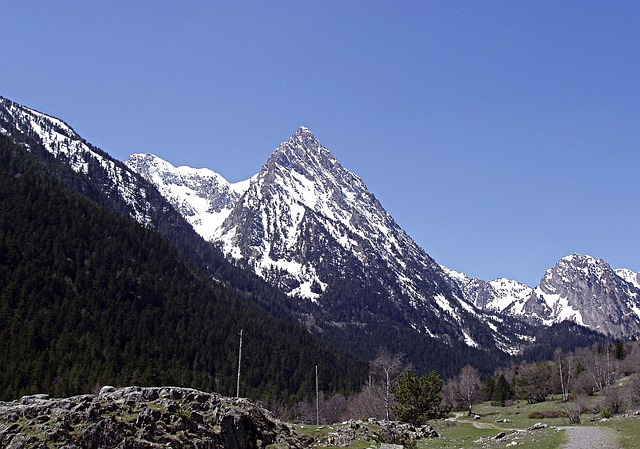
{"x":310,"y":244}
{"x":589,"y":292}
{"x":308,"y":225}
{"x":89,"y":296}
{"x":579,"y":288}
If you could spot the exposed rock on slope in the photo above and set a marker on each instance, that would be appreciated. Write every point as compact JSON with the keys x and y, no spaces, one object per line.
{"x":312,"y":228}
{"x":579,"y":288}
{"x":136,"y":417}
{"x":589,"y":292}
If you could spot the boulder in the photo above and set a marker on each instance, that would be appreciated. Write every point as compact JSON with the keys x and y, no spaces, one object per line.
{"x":137,"y":417}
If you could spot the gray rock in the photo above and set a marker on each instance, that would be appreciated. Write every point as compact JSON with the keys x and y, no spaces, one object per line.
{"x":136,"y":417}
{"x":106,"y":389}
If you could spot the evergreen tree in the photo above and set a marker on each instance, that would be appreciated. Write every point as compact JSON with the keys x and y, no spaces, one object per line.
{"x":502,"y":390}
{"x":418,"y":397}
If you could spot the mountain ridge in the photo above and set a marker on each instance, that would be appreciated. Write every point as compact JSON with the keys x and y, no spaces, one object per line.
{"x":305,"y":217}
{"x":306,"y":160}
{"x":310,"y":227}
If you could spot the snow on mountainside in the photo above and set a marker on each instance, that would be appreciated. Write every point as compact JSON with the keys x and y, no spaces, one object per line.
{"x":500,"y":295}
{"x":30,"y":127}
{"x":630,"y":276}
{"x":306,"y":224}
{"x":201,"y":195}
{"x":589,"y":292}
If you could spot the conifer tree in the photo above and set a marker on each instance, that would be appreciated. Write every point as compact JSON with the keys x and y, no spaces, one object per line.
{"x":418,"y":397}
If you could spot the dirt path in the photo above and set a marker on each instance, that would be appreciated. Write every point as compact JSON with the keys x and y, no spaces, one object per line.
{"x":590,"y":438}
{"x":477,"y":424}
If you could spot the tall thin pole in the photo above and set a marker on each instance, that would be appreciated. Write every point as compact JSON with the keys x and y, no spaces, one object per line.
{"x":317,"y":400}
{"x":239,"y":361}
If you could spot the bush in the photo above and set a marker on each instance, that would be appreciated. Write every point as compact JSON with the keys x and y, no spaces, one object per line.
{"x":612,"y":400}
{"x":547,"y":414}
{"x":572,"y":410}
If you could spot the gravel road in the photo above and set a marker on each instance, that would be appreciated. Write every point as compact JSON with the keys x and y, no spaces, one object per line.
{"x":590,"y":438}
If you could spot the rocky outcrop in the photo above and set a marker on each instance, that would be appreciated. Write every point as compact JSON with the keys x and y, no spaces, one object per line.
{"x":589,"y":292}
{"x":136,"y":417}
{"x":388,"y":433}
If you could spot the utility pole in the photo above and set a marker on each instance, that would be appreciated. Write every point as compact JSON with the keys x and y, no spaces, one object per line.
{"x":317,"y":400}
{"x":239,"y":361}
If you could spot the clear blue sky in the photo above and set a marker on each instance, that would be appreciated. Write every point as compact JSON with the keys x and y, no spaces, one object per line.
{"x":501,"y":136}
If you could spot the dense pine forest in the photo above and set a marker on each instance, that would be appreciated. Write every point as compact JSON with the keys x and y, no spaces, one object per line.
{"x":89,"y":298}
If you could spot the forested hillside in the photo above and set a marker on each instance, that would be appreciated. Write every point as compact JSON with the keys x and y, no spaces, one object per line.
{"x":90,"y":298}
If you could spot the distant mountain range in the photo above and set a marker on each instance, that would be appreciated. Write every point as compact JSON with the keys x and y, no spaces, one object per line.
{"x":274,"y":221}
{"x":349,"y":273}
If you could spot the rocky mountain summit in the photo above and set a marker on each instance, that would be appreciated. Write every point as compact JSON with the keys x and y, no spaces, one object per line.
{"x":589,"y":292}
{"x":136,"y":417}
{"x":579,"y":288}
{"x":311,"y":227}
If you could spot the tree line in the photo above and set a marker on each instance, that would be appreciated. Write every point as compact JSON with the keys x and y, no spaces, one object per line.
{"x":584,"y":380}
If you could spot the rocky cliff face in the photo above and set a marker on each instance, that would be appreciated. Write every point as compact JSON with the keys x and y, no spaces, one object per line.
{"x":136,"y":417}
{"x":579,"y":288}
{"x":589,"y":292}
{"x":311,"y":227}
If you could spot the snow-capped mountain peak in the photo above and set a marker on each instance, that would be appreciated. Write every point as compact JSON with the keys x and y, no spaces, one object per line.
{"x":301,"y":187}
{"x":201,"y":195}
{"x":310,"y":226}
{"x":588,"y":291}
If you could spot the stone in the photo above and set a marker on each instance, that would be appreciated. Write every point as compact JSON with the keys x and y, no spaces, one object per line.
{"x":106,"y":389}
{"x":136,"y":417}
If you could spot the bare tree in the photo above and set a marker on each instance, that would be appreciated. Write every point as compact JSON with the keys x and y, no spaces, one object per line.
{"x":612,"y":401}
{"x":469,"y":386}
{"x":631,"y":363}
{"x":633,"y":389}
{"x":388,"y":367}
{"x":450,"y":396}
{"x":369,"y":402}
{"x":599,"y":365}
{"x":564,"y":371}
{"x":535,"y":381}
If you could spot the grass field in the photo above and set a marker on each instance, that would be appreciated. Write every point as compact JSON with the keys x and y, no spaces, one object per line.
{"x":463,"y":432}
{"x":627,"y":428}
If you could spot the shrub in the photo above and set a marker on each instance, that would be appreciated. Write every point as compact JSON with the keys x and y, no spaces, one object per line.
{"x":547,"y":414}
